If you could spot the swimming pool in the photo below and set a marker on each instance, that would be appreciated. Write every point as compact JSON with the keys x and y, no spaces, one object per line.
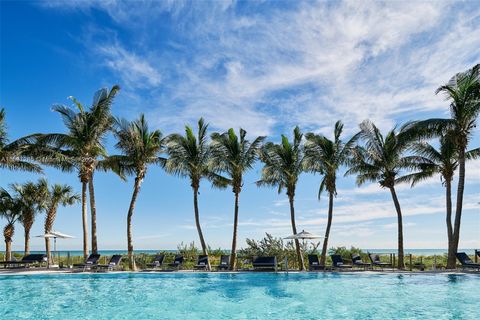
{"x":240,"y":296}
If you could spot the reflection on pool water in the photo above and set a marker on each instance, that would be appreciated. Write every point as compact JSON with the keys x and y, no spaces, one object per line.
{"x":240,"y":296}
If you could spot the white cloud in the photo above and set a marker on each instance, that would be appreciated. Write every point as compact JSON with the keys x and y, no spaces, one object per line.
{"x":135,"y":72}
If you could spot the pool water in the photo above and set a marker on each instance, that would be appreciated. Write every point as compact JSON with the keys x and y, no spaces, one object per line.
{"x":240,"y":296}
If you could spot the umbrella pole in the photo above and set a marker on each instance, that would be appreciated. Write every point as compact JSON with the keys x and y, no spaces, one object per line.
{"x":54,"y":248}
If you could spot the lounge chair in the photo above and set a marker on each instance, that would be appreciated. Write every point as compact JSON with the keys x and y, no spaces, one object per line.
{"x":314,"y":263}
{"x":337,"y":262}
{"x":202,"y":263}
{"x":113,"y":264}
{"x":157,"y":261}
{"x":26,"y":261}
{"x":224,"y":263}
{"x":466,"y":261}
{"x":358,"y":262}
{"x":375,"y":259}
{"x":90,"y":263}
{"x":264,"y":263}
{"x":177,"y":263}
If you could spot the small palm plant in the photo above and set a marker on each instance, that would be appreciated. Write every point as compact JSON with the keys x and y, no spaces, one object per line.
{"x":82,"y":147}
{"x":13,"y":154}
{"x":325,"y":156}
{"x":442,"y":161}
{"x":463,"y":92}
{"x":58,"y":195}
{"x":283,"y":164}
{"x":141,"y":147}
{"x":10,"y":209}
{"x":189,"y":156}
{"x":32,"y":198}
{"x":383,"y":160}
{"x":234,"y":155}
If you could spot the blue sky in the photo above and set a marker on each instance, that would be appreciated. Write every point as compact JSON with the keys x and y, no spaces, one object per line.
{"x":262,"y":66}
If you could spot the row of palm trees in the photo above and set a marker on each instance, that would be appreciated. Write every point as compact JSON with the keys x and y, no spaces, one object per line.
{"x":401,"y":155}
{"x":25,"y":202}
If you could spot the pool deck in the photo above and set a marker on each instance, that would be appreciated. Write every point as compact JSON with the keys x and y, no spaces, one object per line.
{"x":45,"y":271}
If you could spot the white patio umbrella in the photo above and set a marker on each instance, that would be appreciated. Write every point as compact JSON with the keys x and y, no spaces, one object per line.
{"x":55,"y":235}
{"x":304,"y":235}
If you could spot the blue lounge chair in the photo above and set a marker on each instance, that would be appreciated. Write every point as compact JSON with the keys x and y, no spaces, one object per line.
{"x":113,"y":264}
{"x":358,"y":262}
{"x":26,"y":261}
{"x":314,"y":263}
{"x":337,"y":262}
{"x":375,"y":259}
{"x":202,"y":263}
{"x":177,"y":263}
{"x":264,"y":263}
{"x":157,"y":261}
{"x":224,"y":263}
{"x":90,"y":263}
{"x":466,"y":261}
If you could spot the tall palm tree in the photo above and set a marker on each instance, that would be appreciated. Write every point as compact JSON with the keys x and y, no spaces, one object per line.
{"x":58,"y":195}
{"x":189,"y":157}
{"x":32,"y":198}
{"x":82,"y":147}
{"x":13,"y":154}
{"x":442,"y":161}
{"x":141,"y":147}
{"x":383,"y":160}
{"x":282,"y":168}
{"x":463,"y":92}
{"x":234,"y":156}
{"x":10,"y":209}
{"x":326,"y":156}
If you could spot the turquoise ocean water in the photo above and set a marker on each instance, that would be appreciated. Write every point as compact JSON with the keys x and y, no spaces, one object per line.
{"x":240,"y":296}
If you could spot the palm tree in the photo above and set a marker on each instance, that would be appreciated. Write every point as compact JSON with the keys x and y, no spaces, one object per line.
{"x":13,"y":154}
{"x":82,"y":146}
{"x":31,"y":197}
{"x":382,"y":160}
{"x":141,"y":147}
{"x":10,"y":209}
{"x":189,"y":157}
{"x":58,"y":195}
{"x":282,"y":167}
{"x":325,"y":156}
{"x":234,"y":157}
{"x":444,"y":162}
{"x":463,"y":92}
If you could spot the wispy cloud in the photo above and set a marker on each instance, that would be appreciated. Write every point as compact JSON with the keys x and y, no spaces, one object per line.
{"x":308,"y":64}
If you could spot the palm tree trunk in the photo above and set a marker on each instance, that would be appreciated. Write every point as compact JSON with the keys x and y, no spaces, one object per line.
{"x":233,"y":256}
{"x":27,"y":240}
{"x":294,"y":229}
{"x":400,"y":264}
{"x":136,"y":190}
{"x":451,"y":259}
{"x":93,"y":213}
{"x":84,"y":219}
{"x":197,"y":223}
{"x":50,"y":218}
{"x":458,"y":213}
{"x":8,"y":250}
{"x":327,"y":230}
{"x":8,"y":232}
